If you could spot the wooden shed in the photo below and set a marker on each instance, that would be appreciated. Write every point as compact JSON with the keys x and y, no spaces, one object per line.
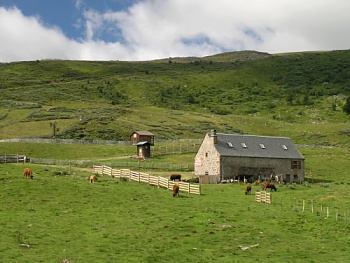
{"x":143,"y":149}
{"x":224,"y":157}
{"x":142,"y":136}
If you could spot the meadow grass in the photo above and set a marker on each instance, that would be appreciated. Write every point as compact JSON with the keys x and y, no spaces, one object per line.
{"x":61,"y":215}
{"x":239,"y":92}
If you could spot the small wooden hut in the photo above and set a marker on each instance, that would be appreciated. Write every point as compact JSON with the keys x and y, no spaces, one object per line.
{"x":142,"y":136}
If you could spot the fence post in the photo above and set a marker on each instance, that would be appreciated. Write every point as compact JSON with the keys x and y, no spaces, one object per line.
{"x":336,"y":216}
{"x":294,"y":204}
{"x":327,"y":213}
{"x":345,"y":219}
{"x":312,"y":206}
{"x":303,"y":205}
{"x":321,"y":210}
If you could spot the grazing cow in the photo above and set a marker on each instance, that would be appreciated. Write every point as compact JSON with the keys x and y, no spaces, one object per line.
{"x":176,"y":190}
{"x":174,"y":177}
{"x":248,"y":189}
{"x":28,"y":173}
{"x":92,"y":178}
{"x":269,"y":185}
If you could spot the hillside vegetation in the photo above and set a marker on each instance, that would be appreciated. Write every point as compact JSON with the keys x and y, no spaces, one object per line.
{"x":298,"y":95}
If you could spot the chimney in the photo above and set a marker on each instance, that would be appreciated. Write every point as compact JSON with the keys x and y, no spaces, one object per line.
{"x":214,"y":136}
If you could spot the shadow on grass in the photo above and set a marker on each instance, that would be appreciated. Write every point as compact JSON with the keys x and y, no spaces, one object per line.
{"x":316,"y":181}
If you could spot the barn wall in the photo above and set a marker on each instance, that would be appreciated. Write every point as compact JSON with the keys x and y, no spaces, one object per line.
{"x":260,"y":168}
{"x":207,"y":162}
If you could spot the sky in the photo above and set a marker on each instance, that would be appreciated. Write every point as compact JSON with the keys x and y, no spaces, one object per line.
{"x":135,"y":30}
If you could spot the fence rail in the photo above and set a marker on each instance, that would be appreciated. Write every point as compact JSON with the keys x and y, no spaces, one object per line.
{"x":12,"y":158}
{"x":67,"y":141}
{"x":263,"y":197}
{"x":147,"y":178}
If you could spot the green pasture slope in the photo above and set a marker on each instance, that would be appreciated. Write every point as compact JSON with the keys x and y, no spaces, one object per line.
{"x":299,"y":95}
{"x":62,"y":216}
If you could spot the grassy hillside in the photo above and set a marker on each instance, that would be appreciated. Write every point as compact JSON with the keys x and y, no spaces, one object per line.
{"x":297,"y":95}
{"x":60,"y":215}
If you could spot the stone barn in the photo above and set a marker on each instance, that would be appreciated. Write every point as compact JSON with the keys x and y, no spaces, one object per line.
{"x":142,"y":136}
{"x":223,"y":157}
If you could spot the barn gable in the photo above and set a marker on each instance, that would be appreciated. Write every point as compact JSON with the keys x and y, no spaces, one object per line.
{"x":235,"y":156}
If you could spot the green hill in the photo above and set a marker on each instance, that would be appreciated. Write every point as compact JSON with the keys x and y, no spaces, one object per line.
{"x":299,"y":95}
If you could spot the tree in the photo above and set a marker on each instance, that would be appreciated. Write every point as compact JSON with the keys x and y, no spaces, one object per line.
{"x":346,"y":107}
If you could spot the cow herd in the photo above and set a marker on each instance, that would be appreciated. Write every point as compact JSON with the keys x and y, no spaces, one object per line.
{"x":28,"y":173}
{"x":266,"y":185}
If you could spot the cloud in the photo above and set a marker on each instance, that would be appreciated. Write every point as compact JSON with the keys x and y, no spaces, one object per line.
{"x":25,"y":38}
{"x":150,"y":29}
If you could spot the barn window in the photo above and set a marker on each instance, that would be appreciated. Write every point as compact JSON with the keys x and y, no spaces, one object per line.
{"x":243,"y":145}
{"x":230,"y":144}
{"x":296,"y":164}
{"x":262,"y":146}
{"x":284,"y":147}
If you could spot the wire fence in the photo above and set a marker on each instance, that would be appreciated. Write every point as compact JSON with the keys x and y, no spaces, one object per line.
{"x":135,"y":165}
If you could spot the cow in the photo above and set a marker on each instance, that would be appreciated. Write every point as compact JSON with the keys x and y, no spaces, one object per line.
{"x":176,"y":190}
{"x":28,"y":173}
{"x":248,"y":189}
{"x":269,"y":185}
{"x":92,"y":178}
{"x":174,"y":177}
{"x":257,"y":182}
{"x":245,"y":181}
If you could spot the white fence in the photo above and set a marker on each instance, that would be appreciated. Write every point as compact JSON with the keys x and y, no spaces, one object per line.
{"x":146,"y":178}
{"x":263,"y":197}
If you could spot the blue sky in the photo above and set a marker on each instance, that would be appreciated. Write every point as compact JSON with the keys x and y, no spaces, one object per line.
{"x":152,"y":29}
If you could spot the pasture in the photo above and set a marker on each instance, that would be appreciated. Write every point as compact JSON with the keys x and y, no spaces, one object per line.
{"x":60,"y":214}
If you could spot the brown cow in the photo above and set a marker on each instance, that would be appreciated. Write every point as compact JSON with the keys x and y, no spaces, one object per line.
{"x":92,"y":178}
{"x":28,"y":173}
{"x":269,"y":185}
{"x":248,"y":189}
{"x":176,"y":190}
{"x":258,"y":182}
{"x":174,"y":177}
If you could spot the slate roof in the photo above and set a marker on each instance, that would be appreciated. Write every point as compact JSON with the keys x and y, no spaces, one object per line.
{"x":256,"y":146}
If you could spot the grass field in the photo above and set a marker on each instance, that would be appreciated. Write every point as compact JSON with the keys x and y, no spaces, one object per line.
{"x":61,"y":215}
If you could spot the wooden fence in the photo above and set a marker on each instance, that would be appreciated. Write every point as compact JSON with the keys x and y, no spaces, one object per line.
{"x":12,"y":158}
{"x":263,"y":197}
{"x":146,"y":178}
